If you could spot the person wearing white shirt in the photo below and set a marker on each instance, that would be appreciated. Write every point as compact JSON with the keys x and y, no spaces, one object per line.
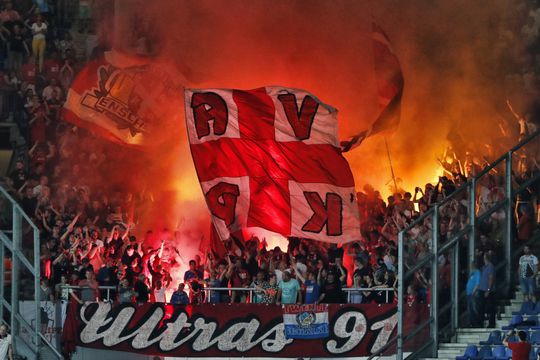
{"x":48,"y":91}
{"x":159,"y":292}
{"x":39,"y":29}
{"x":6,"y":352}
{"x":528,"y":269}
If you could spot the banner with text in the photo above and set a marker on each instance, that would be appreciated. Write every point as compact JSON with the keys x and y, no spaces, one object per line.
{"x":225,"y":330}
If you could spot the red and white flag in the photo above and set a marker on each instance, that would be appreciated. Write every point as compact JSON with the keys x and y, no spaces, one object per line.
{"x":390,"y":85}
{"x":270,"y":158}
{"x":125,"y":99}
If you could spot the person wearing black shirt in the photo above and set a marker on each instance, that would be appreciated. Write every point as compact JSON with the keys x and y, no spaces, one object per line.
{"x":129,"y":255}
{"x":19,"y":175}
{"x":17,"y":47}
{"x":142,"y":290}
{"x":334,"y":253}
{"x":331,"y":292}
{"x":29,"y":202}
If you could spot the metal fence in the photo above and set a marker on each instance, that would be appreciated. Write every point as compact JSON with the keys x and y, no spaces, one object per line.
{"x":19,"y":249}
{"x":251,"y":290}
{"x":444,"y":267}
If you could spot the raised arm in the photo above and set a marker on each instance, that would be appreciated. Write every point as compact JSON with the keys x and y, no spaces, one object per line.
{"x":70,"y":227}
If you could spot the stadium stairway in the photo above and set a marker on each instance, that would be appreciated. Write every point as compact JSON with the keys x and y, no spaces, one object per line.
{"x":467,"y":336}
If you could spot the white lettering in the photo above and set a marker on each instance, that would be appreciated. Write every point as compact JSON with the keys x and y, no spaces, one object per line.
{"x":354,"y":336}
{"x":387,"y":327}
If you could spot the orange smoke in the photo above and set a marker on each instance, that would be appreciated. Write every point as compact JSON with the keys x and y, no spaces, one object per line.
{"x":449,"y":51}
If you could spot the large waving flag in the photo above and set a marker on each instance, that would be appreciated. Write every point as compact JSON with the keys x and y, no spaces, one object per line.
{"x":125,"y":99}
{"x":270,"y":158}
{"x":390,"y":85}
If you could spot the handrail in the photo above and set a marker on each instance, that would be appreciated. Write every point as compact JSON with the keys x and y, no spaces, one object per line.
{"x":108,"y":288}
{"x":16,"y":205}
{"x":21,"y":263}
{"x":348,"y":290}
{"x":454,"y":242}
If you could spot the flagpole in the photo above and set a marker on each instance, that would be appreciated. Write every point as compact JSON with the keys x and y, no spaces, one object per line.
{"x":391,"y":167}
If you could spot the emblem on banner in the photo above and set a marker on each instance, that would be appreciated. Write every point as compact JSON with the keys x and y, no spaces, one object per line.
{"x":305,"y":319}
{"x":116,"y":95}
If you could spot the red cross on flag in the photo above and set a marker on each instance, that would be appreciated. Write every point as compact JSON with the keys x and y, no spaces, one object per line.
{"x":270,"y":158}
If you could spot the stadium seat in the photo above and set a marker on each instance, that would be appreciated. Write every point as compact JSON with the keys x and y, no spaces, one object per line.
{"x":484,"y":353}
{"x":495,"y":338}
{"x":532,"y":319}
{"x":471,"y":352}
{"x":500,"y":352}
{"x":535,"y":337}
{"x":533,"y":354}
{"x":527,"y":308}
{"x":514,"y":322}
{"x":537,"y":308}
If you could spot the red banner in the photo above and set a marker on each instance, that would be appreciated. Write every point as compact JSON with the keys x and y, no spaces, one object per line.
{"x":126,"y":99}
{"x":225,"y":330}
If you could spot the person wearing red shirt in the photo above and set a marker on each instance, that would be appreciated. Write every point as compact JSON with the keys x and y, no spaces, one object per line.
{"x":520,"y":349}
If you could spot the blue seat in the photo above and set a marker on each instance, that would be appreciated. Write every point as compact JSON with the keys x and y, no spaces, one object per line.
{"x":532,"y":318}
{"x":537,"y":308}
{"x":527,"y":308}
{"x":533,"y":354}
{"x":500,"y":352}
{"x":535,"y":337}
{"x":484,"y":353}
{"x":471,"y":352}
{"x":514,"y":322}
{"x":495,"y":338}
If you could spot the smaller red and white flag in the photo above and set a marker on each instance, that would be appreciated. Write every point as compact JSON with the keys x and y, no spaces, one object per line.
{"x":390,"y":85}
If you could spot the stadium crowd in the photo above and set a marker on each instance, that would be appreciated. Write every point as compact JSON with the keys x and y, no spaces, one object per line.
{"x":87,"y":237}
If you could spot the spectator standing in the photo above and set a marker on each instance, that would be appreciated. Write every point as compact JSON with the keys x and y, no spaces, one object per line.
{"x":46,"y":293}
{"x":271,"y":290}
{"x":312,"y":288}
{"x":125,"y":292}
{"x":520,"y":349}
{"x":214,"y":282}
{"x":331,"y":292}
{"x":179,"y":297}
{"x":6,"y":351}
{"x":239,"y":279}
{"x":289,"y":290}
{"x":89,"y":287}
{"x":472,"y":291}
{"x":39,"y":30}
{"x":528,"y":268}
{"x":142,"y":290}
{"x":16,"y":49}
{"x":258,"y":284}
{"x":159,"y":292}
{"x":60,"y":289}
{"x":486,"y":292}
{"x":192,"y":274}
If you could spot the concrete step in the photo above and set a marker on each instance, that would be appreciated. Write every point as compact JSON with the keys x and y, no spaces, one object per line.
{"x":444,"y":353}
{"x":466,"y":336}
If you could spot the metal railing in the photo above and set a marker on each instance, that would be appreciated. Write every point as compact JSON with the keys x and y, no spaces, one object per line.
{"x":12,"y":240}
{"x":445,"y":318}
{"x":251,"y":290}
{"x":101,"y":287}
